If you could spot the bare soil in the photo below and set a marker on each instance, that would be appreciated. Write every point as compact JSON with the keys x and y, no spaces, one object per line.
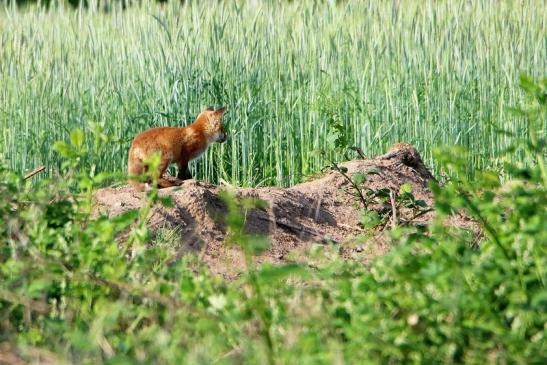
{"x":323,"y":210}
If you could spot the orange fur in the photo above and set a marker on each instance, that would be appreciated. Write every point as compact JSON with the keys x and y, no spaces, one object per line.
{"x":175,"y":145}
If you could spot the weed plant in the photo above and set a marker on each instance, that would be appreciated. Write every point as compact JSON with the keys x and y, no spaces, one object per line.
{"x":86,"y":289}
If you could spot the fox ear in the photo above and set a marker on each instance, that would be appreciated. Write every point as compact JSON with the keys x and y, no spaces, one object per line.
{"x":222,"y":110}
{"x":210,"y":108}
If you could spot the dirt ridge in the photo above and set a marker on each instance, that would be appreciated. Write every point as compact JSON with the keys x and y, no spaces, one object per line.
{"x":321,"y":210}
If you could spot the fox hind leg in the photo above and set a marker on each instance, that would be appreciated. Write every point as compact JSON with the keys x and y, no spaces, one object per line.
{"x":135,"y":169}
{"x":162,"y":181}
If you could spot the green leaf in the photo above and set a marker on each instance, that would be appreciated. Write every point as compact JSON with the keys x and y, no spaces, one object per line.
{"x":382,"y":193}
{"x":374,"y":171}
{"x":274,"y":273}
{"x":80,"y":340}
{"x":316,"y":152}
{"x":254,"y":203}
{"x":64,"y":149}
{"x":166,"y":201}
{"x":421,"y":203}
{"x":77,"y":138}
{"x":405,"y":188}
{"x":258,"y":244}
{"x":101,"y":177}
{"x":126,"y":218}
{"x":539,"y":300}
{"x":187,"y":285}
{"x":358,"y":178}
{"x":37,"y":287}
{"x":528,"y":84}
{"x":369,"y":219}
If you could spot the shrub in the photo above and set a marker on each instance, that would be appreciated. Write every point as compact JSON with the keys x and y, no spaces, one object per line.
{"x":87,"y":289}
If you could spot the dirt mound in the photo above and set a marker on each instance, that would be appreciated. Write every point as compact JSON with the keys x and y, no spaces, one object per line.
{"x":323,"y":210}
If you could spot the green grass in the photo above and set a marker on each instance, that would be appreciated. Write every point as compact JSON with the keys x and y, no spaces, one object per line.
{"x":429,"y":73}
{"x":84,"y":287}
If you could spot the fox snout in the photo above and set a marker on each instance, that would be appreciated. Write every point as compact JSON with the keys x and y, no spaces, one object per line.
{"x":222,"y":137}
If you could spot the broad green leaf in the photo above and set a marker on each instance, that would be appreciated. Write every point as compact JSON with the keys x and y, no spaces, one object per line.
{"x":405,"y":188}
{"x":64,"y":149}
{"x":77,"y":138}
{"x":273,"y":273}
{"x":369,"y":219}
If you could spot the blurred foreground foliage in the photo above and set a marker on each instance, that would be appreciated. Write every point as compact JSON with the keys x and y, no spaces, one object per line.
{"x":83,"y":288}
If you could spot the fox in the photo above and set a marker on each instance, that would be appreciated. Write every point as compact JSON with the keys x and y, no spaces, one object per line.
{"x":178,"y":145}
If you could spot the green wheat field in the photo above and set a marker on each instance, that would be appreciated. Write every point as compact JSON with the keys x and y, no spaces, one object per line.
{"x":376,"y":271}
{"x":431,"y":73}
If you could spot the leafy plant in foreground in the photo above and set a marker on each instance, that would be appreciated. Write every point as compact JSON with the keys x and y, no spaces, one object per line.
{"x":71,"y":288}
{"x":438,"y":298}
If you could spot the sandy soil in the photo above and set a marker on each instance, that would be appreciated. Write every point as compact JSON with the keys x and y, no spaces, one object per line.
{"x":324,"y":210}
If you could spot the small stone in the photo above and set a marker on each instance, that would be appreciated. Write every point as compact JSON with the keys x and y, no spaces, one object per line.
{"x":359,"y":248}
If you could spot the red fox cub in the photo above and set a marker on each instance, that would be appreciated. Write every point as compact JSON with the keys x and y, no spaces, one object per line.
{"x":175,"y":145}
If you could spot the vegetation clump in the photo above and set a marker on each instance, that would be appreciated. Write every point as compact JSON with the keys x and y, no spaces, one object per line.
{"x":78,"y":288}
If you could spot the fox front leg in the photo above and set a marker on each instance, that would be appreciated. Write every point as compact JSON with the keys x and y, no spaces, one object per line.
{"x":183,"y":172}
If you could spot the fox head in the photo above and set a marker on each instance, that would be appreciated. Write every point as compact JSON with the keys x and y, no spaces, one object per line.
{"x":213,"y":124}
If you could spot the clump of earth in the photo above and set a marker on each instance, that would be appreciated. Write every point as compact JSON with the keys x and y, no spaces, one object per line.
{"x":324,"y":210}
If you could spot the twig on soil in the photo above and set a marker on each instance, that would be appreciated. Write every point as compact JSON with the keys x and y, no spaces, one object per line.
{"x":30,"y":304}
{"x":419,"y":214}
{"x":292,"y":228}
{"x":34,"y":172}
{"x":227,"y":184}
{"x":233,"y":351}
{"x":359,"y":152}
{"x":342,"y":170}
{"x":394,"y":220}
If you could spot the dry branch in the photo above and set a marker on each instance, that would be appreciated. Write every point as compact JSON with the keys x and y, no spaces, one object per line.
{"x":34,"y":172}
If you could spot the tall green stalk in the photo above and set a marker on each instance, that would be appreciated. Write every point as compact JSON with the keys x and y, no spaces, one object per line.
{"x":429,"y":73}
